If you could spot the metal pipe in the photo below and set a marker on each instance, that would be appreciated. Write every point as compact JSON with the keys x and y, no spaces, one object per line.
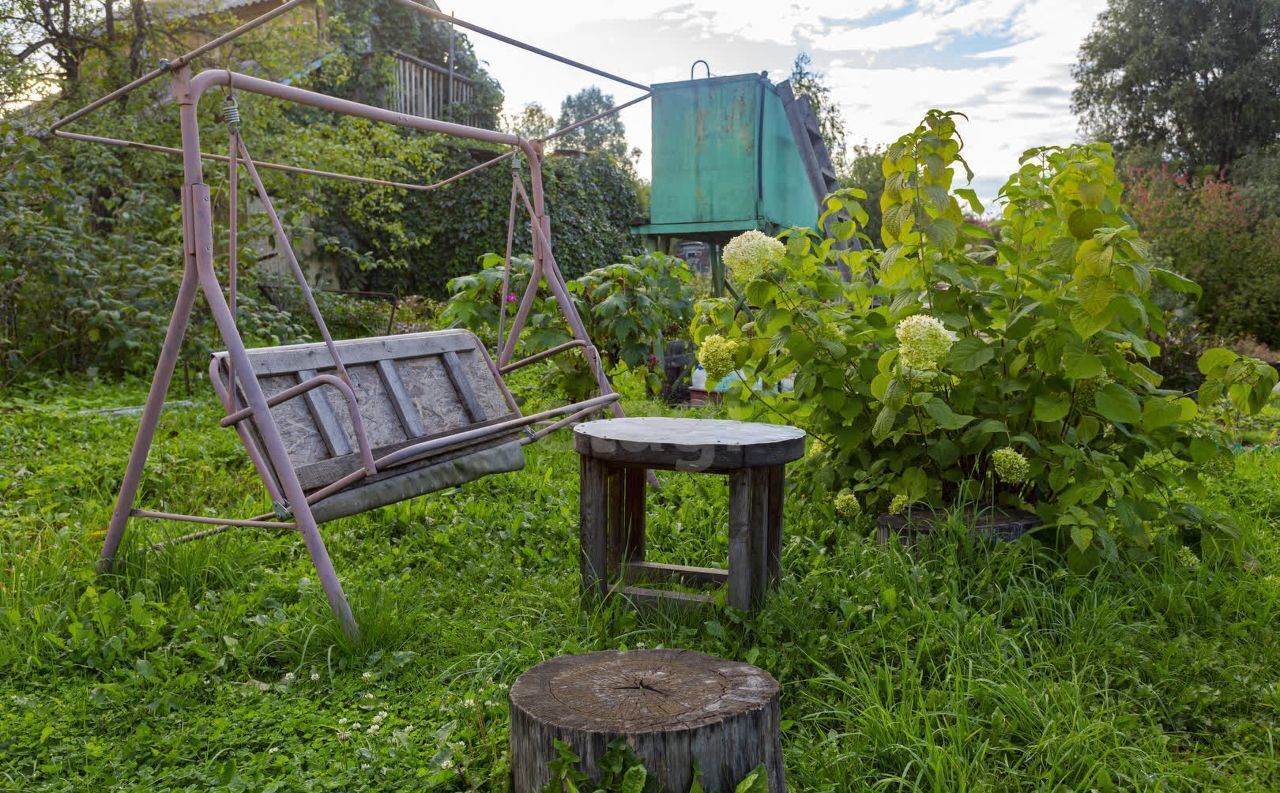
{"x":258,"y":522}
{"x":431,"y":12}
{"x":564,"y":422}
{"x":470,"y":171}
{"x":265,"y":471}
{"x":353,"y":410}
{"x":310,"y":299}
{"x":538,"y":356}
{"x":480,"y":433}
{"x":596,"y":117}
{"x":506,"y":264}
{"x":200,"y":243}
{"x":290,"y":93}
{"x":275,"y":166}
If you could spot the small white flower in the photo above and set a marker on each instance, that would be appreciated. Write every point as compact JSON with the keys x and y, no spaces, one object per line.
{"x":315,"y":676}
{"x":468,"y":703}
{"x":367,"y":676}
{"x":342,"y":720}
{"x":288,"y":678}
{"x":503,"y":686}
{"x":273,"y":750}
{"x":446,"y":764}
{"x":365,"y":766}
{"x":374,"y":729}
{"x":344,"y":735}
{"x":751,"y":253}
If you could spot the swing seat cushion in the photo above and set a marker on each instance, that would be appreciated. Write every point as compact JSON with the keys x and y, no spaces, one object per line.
{"x":410,"y":388}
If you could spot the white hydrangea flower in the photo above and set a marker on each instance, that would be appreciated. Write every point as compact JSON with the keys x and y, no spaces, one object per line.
{"x":751,"y":253}
{"x":716,"y":356}
{"x":923,"y":342}
{"x":1010,"y":466}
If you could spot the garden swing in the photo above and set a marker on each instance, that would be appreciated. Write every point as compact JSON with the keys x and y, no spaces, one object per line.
{"x":336,"y":428}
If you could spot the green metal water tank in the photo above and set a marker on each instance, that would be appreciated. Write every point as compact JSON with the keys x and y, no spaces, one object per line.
{"x":725,"y":160}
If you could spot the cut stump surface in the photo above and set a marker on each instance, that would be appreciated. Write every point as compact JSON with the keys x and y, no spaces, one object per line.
{"x":674,"y":708}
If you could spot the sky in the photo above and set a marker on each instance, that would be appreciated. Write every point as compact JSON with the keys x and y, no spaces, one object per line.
{"x":1006,"y":64}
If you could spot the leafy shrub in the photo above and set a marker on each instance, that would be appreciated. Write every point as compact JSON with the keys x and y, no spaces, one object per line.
{"x":415,"y":242}
{"x":1032,"y":341}
{"x":1212,"y":234}
{"x":630,"y":308}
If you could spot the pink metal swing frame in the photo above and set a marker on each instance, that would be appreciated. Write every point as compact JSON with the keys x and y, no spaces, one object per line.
{"x":268,"y":450}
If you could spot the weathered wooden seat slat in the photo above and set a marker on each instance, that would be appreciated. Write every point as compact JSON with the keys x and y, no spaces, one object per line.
{"x":409,"y":388}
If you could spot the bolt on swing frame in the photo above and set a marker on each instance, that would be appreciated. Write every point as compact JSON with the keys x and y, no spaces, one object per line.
{"x":200,"y":276}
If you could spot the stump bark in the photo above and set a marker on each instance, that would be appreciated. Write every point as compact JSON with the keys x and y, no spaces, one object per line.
{"x":674,"y":708}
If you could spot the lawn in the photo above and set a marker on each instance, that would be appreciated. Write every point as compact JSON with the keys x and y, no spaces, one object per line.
{"x":217,"y":664}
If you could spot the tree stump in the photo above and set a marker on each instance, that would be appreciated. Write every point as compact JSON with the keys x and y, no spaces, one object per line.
{"x":674,"y":708}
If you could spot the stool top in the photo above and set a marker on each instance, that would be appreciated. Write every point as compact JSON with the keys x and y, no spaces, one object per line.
{"x":688,"y":444}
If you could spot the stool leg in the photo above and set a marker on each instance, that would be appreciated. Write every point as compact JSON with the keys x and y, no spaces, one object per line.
{"x":777,"y":483}
{"x":759,"y":535}
{"x":741,"y":569}
{"x":615,"y":482}
{"x":592,"y":520}
{"x":634,"y":527}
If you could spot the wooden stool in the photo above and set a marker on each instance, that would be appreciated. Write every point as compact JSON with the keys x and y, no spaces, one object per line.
{"x":674,"y":708}
{"x":615,"y":456}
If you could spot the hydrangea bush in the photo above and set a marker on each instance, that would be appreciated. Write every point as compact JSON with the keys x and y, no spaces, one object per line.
{"x":1008,"y":368}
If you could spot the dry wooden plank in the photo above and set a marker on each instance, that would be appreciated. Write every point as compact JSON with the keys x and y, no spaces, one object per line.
{"x":759,"y":535}
{"x":615,"y":512}
{"x":741,"y":569}
{"x":633,"y":530}
{"x":326,"y":420}
{"x":643,"y":596}
{"x":315,"y":355}
{"x":777,"y":487}
{"x":706,"y":445}
{"x":591,"y":527}
{"x":685,"y":574}
{"x":467,"y":395}
{"x":401,"y":403}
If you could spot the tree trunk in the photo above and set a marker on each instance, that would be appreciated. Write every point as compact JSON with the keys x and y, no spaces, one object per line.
{"x":674,"y":708}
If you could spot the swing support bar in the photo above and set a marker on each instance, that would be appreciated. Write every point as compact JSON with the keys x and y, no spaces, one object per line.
{"x":242,"y":394}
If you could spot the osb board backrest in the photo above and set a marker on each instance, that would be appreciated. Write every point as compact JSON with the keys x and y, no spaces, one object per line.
{"x":404,"y":388}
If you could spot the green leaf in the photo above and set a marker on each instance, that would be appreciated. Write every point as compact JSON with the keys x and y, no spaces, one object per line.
{"x":760,"y":291}
{"x":755,"y":782}
{"x":1087,"y":324}
{"x":884,"y":423}
{"x":800,"y":347}
{"x":1095,"y":293}
{"x":1158,"y":412}
{"x":1175,"y":282}
{"x":1051,"y":407}
{"x":1083,"y":222}
{"x":1080,"y":365}
{"x":1117,"y":404}
{"x":633,"y":781}
{"x":941,"y":412}
{"x":971,"y":196}
{"x":970,"y":353}
{"x":1082,"y":536}
{"x":1214,"y":359}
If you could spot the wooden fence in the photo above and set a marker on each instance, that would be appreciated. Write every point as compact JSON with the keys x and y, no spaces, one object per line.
{"x":429,"y":90}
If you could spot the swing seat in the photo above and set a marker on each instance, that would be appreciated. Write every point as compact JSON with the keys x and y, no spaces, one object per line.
{"x":408,"y":389}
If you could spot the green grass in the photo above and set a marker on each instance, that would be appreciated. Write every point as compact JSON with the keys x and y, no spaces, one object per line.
{"x":217,"y":665}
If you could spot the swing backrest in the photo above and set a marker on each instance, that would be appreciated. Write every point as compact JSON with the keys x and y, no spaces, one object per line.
{"x":410,"y":388}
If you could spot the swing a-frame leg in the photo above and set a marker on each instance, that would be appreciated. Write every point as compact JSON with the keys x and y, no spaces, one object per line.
{"x":199,"y":272}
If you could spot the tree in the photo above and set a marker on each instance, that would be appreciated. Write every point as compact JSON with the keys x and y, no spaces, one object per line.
{"x":45,"y":43}
{"x":813,"y":85}
{"x":532,"y":122}
{"x":1198,"y":80}
{"x":606,"y":134}
{"x":864,"y":172}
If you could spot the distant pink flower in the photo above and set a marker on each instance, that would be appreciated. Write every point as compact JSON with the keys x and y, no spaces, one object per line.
{"x":511,"y":297}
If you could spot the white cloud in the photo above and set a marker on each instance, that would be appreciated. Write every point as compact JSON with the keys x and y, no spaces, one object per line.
{"x":1004,"y":62}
